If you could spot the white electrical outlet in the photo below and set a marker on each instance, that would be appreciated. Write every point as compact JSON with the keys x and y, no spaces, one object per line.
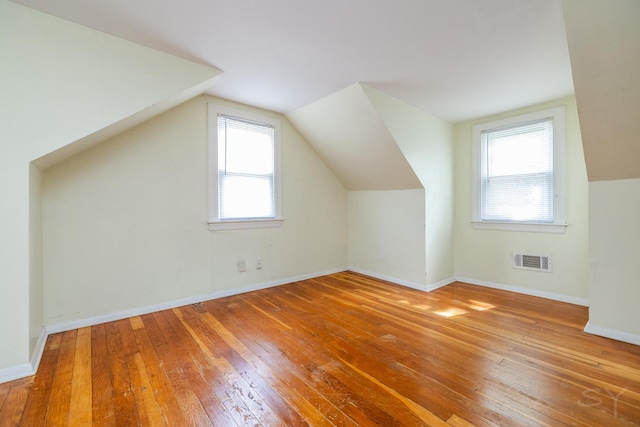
{"x":242,"y":265}
{"x":259,"y":264}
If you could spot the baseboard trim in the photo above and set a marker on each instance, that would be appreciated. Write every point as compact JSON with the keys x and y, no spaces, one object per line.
{"x":611,"y":334}
{"x":27,"y":369}
{"x":39,"y":349}
{"x":440,"y":284}
{"x":111,"y":317}
{"x":526,"y":291}
{"x":16,"y":372}
{"x":418,"y":286}
{"x":413,"y":285}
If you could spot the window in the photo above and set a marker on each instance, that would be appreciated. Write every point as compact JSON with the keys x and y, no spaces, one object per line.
{"x":518,"y":173}
{"x":244,"y":181}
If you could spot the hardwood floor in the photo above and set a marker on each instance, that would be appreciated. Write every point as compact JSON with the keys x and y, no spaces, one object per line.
{"x":343,"y":350}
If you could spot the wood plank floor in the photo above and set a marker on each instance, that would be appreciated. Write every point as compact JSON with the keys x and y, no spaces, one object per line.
{"x":343,"y":350}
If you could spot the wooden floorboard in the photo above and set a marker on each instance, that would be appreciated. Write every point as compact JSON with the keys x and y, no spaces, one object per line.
{"x":339,"y":350}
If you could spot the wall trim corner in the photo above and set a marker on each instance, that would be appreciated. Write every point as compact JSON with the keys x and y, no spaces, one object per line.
{"x":613,"y":334}
{"x":418,"y":286}
{"x":16,"y":372}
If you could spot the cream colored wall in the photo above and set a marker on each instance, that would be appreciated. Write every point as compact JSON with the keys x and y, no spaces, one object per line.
{"x":74,"y":72}
{"x":386,"y":235}
{"x":603,"y":38}
{"x":614,"y":283}
{"x":427,"y":143}
{"x":14,"y":260}
{"x":485,"y":255}
{"x":36,"y":290}
{"x":61,"y":82}
{"x":347,"y":132}
{"x":125,"y":223}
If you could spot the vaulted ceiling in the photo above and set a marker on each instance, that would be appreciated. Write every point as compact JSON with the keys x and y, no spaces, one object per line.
{"x":455,"y":59}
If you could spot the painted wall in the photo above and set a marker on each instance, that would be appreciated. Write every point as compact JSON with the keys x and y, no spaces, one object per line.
{"x":379,"y":143}
{"x":386,"y":235}
{"x":484,"y":256}
{"x":348,"y":133}
{"x":614,"y":283}
{"x":61,"y":83}
{"x":604,"y":41}
{"x":604,"y":44}
{"x":125,"y":222}
{"x":68,"y":70}
{"x":427,"y":143}
{"x":36,"y":290}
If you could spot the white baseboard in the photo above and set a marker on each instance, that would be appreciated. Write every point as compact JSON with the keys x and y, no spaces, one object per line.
{"x":418,"y":286}
{"x":96,"y":320}
{"x":27,"y":369}
{"x":39,"y":349}
{"x":440,"y":284}
{"x":527,"y":291}
{"x":16,"y":372}
{"x":612,"y":334}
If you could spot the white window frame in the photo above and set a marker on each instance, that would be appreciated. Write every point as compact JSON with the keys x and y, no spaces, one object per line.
{"x":558,"y":225}
{"x":214,"y":221}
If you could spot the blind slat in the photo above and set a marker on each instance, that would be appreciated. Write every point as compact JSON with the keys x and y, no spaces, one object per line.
{"x":517,"y":173}
{"x":245,"y":169}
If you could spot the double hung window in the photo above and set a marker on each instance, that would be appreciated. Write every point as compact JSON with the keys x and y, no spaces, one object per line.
{"x":518,"y":173}
{"x":243,"y":169}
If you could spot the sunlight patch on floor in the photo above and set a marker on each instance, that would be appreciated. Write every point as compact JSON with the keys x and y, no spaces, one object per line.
{"x":451,"y":312}
{"x":480,"y":306}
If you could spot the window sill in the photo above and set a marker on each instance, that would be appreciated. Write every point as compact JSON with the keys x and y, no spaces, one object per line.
{"x":244,"y":224}
{"x":520,"y":226}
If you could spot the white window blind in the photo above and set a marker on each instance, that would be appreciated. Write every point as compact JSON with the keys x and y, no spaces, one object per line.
{"x":246,"y":169}
{"x":517,"y":173}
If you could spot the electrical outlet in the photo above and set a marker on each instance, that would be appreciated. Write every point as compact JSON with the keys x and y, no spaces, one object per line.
{"x":259,"y":264}
{"x":242,"y":265}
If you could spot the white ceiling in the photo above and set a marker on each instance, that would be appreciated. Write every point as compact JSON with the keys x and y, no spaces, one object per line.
{"x":457,"y":59}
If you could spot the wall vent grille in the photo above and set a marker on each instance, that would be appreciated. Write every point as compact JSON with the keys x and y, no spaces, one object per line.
{"x":532,"y":262}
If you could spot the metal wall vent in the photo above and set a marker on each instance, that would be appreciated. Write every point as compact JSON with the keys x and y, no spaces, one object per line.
{"x":531,"y":262}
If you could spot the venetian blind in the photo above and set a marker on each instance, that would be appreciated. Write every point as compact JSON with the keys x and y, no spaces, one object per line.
{"x":245,"y":169}
{"x":517,"y":173}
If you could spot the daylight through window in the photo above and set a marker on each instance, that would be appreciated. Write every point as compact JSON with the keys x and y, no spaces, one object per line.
{"x":245,"y":184}
{"x":519,"y":171}
{"x":245,"y":169}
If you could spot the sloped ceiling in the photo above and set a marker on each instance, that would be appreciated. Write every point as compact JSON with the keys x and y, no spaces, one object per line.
{"x":65,"y":86}
{"x":456,"y":59}
{"x":346,"y":131}
{"x":604,"y":46}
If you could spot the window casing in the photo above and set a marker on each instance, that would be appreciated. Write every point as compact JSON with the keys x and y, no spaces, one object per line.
{"x":518,"y":173}
{"x":244,"y":170}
